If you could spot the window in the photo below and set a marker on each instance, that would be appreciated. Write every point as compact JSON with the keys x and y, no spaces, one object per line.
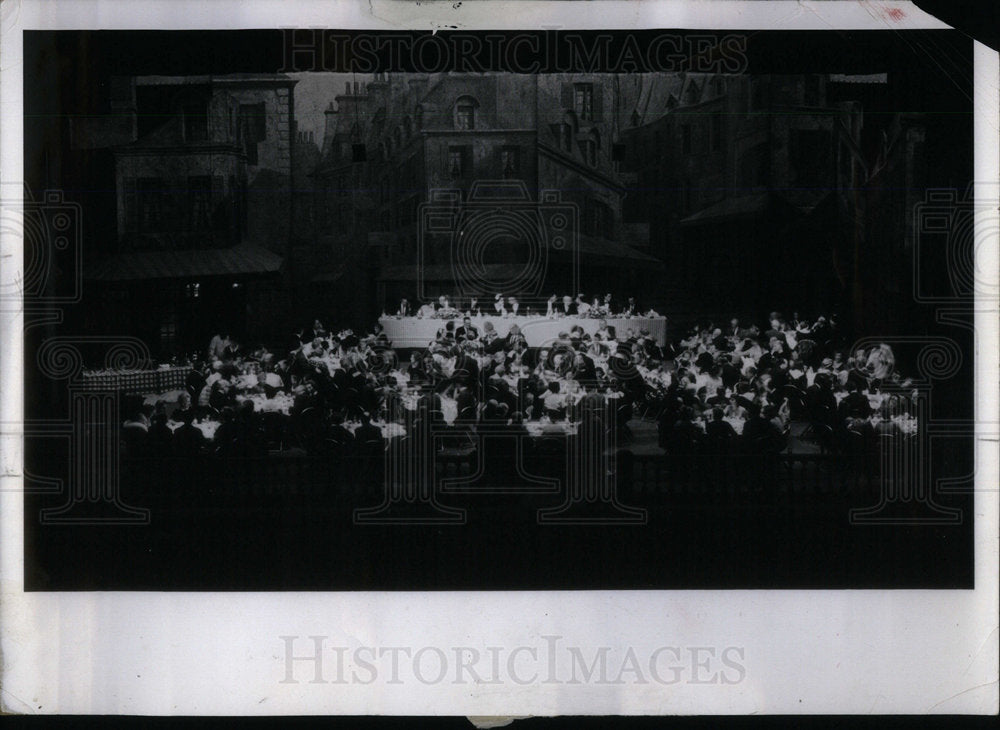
{"x":151,"y":195}
{"x":253,"y":124}
{"x":510,"y":161}
{"x":459,"y":161}
{"x":686,"y":139}
{"x":715,"y":133}
{"x":597,"y":219}
{"x":397,"y":137}
{"x":583,"y":100}
{"x":192,"y":291}
{"x":200,"y":201}
{"x":465,"y":113}
{"x":691,"y":95}
{"x":195,"y":123}
{"x":589,"y":147}
{"x":418,"y":115}
{"x":407,"y":128}
{"x":718,"y":87}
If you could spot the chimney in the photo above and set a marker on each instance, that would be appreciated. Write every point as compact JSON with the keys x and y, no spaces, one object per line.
{"x":329,"y":128}
{"x":123,"y":104}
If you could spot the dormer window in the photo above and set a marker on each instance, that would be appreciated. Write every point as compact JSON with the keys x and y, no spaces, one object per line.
{"x":465,"y":113}
{"x":583,"y":101}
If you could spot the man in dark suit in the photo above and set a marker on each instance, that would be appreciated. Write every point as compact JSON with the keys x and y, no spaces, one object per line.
{"x":224,"y":441}
{"x":584,"y":371}
{"x":188,"y":440}
{"x":160,"y":438}
{"x":632,"y":307}
{"x":717,"y":430}
{"x":759,"y":433}
{"x":467,"y":331}
{"x":855,"y":403}
{"x":429,"y":407}
{"x":466,"y":370}
{"x":337,"y":435}
{"x":367,"y":433}
{"x":730,"y":370}
{"x":466,"y":404}
{"x":249,"y":433}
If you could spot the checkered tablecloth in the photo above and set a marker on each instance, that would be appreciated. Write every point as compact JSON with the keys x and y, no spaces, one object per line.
{"x":136,"y":382}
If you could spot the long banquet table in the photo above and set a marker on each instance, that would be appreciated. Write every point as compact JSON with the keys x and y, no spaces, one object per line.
{"x":405,"y":332}
{"x":137,"y":381}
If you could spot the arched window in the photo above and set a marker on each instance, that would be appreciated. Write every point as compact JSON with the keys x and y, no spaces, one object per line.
{"x":465,"y":113}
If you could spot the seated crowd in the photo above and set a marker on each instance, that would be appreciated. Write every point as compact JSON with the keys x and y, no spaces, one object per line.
{"x":447,"y":307}
{"x":747,"y":385}
{"x":732,"y":387}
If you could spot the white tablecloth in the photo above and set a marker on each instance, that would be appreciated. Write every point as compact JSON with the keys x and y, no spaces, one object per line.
{"x":407,"y":332}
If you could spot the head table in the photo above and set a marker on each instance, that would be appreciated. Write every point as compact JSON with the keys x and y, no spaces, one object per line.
{"x":416,"y":332}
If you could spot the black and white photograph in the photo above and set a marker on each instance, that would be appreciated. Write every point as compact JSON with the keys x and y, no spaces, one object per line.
{"x":496,"y":329}
{"x":323,"y":309}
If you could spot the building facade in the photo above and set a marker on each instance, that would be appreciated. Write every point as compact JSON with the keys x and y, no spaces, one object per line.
{"x":741,"y":179}
{"x":501,"y":157}
{"x":201,"y":167}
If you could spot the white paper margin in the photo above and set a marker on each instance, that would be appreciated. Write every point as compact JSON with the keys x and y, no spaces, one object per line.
{"x":207,"y":653}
